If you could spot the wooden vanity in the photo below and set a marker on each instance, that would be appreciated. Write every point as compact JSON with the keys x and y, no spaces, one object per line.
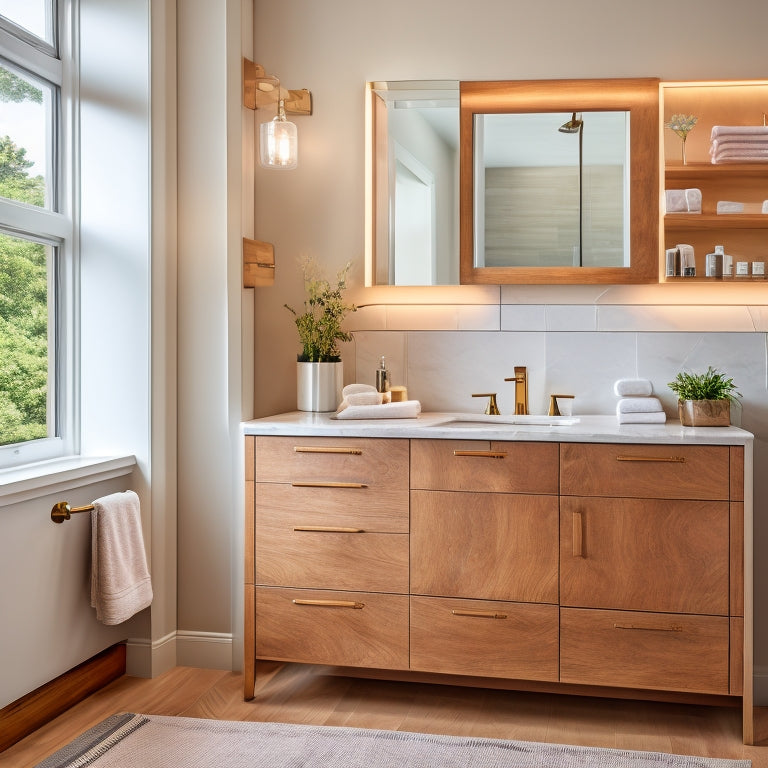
{"x":596,"y":559}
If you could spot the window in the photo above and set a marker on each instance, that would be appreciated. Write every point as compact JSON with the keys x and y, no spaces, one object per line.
{"x":36,"y":235}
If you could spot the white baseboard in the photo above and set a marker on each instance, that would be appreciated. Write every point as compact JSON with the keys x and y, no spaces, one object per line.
{"x":150,"y":659}
{"x":207,"y":650}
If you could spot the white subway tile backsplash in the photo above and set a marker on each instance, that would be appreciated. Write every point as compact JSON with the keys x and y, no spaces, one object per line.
{"x":668,"y":318}
{"x":523,"y":317}
{"x":571,"y":317}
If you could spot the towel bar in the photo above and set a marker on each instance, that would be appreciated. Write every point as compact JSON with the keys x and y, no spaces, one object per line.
{"x":62,"y":511}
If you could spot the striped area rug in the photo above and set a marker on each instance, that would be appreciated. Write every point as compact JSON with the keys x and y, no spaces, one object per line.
{"x":149,"y":741}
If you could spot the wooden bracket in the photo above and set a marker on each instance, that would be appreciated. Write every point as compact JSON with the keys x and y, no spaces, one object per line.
{"x":262,"y":90}
{"x":258,"y":263}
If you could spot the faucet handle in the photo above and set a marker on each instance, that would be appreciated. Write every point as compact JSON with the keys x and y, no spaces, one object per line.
{"x":554,"y":407}
{"x":491,"y":409}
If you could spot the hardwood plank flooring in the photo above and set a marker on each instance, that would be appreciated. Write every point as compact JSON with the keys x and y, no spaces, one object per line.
{"x":313,"y":695}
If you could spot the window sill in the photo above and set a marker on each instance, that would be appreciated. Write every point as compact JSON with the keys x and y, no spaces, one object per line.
{"x":32,"y":481}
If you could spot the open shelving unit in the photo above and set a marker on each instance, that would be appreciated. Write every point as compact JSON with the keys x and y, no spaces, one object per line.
{"x":743,"y":235}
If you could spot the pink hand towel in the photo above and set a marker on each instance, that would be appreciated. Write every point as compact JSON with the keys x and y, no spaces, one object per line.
{"x":120,"y":581}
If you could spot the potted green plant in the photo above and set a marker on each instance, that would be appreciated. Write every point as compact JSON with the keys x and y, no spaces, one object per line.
{"x":320,"y":373}
{"x":704,"y":399}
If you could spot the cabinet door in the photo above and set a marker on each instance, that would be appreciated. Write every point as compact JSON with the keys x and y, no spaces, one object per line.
{"x":644,"y":554}
{"x":484,"y":545}
{"x":490,"y":639}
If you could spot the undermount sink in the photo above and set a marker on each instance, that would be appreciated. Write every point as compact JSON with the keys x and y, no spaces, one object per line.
{"x":477,"y":420}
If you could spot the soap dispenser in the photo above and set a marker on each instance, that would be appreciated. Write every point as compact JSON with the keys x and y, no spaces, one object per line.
{"x":382,"y":380}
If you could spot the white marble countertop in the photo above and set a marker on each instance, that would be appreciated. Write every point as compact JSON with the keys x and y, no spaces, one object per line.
{"x":449,"y":426}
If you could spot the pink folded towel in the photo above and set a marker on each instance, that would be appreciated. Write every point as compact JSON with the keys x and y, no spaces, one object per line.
{"x":120,"y":581}
{"x":719,"y":131}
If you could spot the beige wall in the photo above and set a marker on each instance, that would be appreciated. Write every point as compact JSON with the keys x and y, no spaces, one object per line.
{"x":333,"y":47}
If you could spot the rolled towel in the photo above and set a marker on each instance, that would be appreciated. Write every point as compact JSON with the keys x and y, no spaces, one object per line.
{"x":693,"y":200}
{"x":633,"y":388}
{"x":359,"y":394}
{"x":639,"y":405}
{"x":655,"y":417}
{"x":407,"y":409}
{"x":675,"y":201}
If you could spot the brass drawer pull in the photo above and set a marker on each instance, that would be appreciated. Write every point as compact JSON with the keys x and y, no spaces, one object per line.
{"x":480,"y":614}
{"x":328,"y":449}
{"x":578,"y":534}
{"x":483,"y":454}
{"x":668,"y":628}
{"x":327,"y":484}
{"x":667,"y":459}
{"x":326,"y":529}
{"x":331,"y":603}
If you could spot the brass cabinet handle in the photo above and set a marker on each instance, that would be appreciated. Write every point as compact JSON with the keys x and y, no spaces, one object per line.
{"x":480,"y":614}
{"x":668,"y":459}
{"x":668,"y":628}
{"x":326,"y":529}
{"x":327,"y":449}
{"x":483,"y":454}
{"x":330,"y":603}
{"x":578,"y":534}
{"x":326,"y":484}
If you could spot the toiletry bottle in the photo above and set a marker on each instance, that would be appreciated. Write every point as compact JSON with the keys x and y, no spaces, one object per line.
{"x":382,"y":380}
{"x":714,"y":266}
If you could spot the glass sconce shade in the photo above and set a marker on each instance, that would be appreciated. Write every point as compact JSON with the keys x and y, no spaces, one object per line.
{"x":278,"y":145}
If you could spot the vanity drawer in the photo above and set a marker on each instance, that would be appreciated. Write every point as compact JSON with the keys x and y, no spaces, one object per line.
{"x":373,"y":463}
{"x":663,"y":651}
{"x":487,"y":546}
{"x":484,"y":638}
{"x":479,"y":465}
{"x":645,"y":471}
{"x":328,"y":556}
{"x":351,"y":629}
{"x":645,"y":554}
{"x":379,"y":510}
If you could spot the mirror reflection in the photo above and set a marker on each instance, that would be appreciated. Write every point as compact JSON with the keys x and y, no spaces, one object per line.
{"x":551,"y":189}
{"x":415,"y":131}
{"x":502,"y":182}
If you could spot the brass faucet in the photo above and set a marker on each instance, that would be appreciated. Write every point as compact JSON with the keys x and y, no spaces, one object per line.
{"x":521,"y":390}
{"x":491,"y":409}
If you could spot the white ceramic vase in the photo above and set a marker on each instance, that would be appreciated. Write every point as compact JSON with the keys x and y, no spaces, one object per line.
{"x":319,"y":386}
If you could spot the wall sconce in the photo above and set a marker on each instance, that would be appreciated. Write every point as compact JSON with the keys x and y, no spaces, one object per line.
{"x":278,"y":140}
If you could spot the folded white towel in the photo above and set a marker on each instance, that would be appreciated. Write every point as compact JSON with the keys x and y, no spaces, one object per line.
{"x":729,"y":206}
{"x":765,"y":206}
{"x":639,"y":405}
{"x":633,"y":387}
{"x":120,"y":582}
{"x":655,"y":417}
{"x":407,"y":409}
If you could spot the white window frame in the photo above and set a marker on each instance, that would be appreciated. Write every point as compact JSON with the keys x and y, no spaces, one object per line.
{"x":53,"y":227}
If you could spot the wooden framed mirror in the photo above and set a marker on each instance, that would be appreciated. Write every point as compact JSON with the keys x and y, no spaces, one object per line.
{"x":591,"y":216}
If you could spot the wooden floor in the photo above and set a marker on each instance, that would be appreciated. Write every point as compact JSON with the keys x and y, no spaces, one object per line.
{"x":297,"y":694}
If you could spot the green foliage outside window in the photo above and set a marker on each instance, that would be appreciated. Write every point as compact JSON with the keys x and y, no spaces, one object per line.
{"x":23,"y":294}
